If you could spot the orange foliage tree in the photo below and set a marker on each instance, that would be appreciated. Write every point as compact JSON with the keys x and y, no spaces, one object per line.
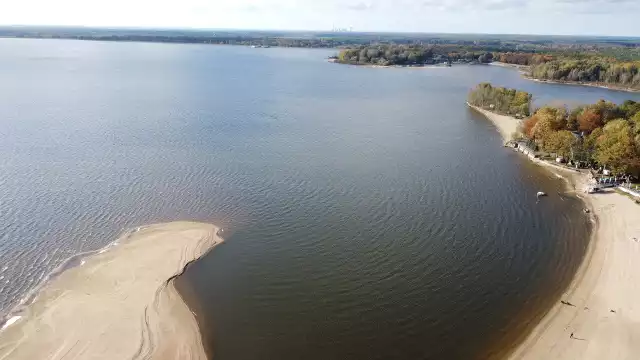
{"x":528,"y":125}
{"x":589,"y":120}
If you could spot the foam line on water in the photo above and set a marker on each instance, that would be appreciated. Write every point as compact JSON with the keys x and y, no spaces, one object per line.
{"x":76,"y":260}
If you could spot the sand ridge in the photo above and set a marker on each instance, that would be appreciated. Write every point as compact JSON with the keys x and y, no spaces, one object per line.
{"x":120,"y":304}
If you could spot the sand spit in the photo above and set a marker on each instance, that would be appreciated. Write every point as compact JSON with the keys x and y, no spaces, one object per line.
{"x":119,"y":304}
{"x":506,"y":125}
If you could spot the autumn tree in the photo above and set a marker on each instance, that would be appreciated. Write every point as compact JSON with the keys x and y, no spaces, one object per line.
{"x":635,"y":123}
{"x":560,"y":142}
{"x":572,"y":119}
{"x":544,"y":122}
{"x":615,"y":148}
{"x":528,"y":125}
{"x":501,"y":100}
{"x":543,"y":128}
{"x":589,"y":120}
{"x":630,"y":108}
{"x":607,"y":110}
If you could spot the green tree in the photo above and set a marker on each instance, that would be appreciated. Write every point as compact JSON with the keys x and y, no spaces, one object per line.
{"x":560,"y":142}
{"x":615,"y":148}
{"x":635,"y":123}
{"x":630,"y":108}
{"x":542,"y":129}
{"x":572,"y":119}
{"x":501,"y":100}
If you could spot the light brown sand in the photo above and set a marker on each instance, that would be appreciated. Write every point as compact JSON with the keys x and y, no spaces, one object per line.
{"x":605,"y":292}
{"x":506,"y":125}
{"x":120,"y":304}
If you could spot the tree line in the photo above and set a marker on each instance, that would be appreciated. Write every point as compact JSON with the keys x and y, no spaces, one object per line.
{"x":411,"y":54}
{"x":591,"y":70}
{"x":501,"y":100}
{"x":522,"y":58}
{"x":603,"y":133}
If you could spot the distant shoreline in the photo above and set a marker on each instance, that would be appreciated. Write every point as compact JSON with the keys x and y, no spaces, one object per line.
{"x":581,"y":83}
{"x":168,"y":42}
{"x":524,"y":68}
{"x":120,"y":303}
{"x":507,"y":65}
{"x":375,"y":66}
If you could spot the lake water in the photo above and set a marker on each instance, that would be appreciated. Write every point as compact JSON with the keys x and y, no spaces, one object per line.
{"x":370,"y":214}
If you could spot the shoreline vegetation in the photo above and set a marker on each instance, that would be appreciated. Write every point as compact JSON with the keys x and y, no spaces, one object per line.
{"x":603,"y":136}
{"x":580,"y":67}
{"x":410,"y":55}
{"x":584,"y":83}
{"x":591,"y":318}
{"x":122,"y":295}
{"x":611,"y":62}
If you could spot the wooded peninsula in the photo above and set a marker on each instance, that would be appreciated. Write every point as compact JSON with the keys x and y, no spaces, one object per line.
{"x":619,"y":68}
{"x":602,"y":134}
{"x":604,"y":61}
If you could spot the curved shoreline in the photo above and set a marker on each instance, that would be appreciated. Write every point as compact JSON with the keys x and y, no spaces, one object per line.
{"x":524,"y":68}
{"x":602,"y":295}
{"x":118,"y":304}
{"x":506,"y":125}
{"x":579,"y":83}
{"x":597,"y":316}
{"x":9,"y":316}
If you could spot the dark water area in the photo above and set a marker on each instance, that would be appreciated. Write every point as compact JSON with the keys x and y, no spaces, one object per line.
{"x":370,"y":214}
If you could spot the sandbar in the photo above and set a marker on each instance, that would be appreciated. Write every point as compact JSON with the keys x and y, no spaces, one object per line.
{"x":119,"y":304}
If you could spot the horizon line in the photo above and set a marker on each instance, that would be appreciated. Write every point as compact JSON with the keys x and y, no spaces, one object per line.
{"x":186,"y":28}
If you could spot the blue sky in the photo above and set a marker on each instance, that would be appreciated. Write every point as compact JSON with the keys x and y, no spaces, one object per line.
{"x":579,"y":17}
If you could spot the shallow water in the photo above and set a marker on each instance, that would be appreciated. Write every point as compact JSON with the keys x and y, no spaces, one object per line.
{"x":372,"y":215}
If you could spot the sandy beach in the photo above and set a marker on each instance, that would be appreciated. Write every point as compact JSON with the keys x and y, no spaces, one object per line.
{"x":506,"y":125}
{"x":599,"y":319}
{"x":600,"y":314}
{"x":118,"y":304}
{"x":521,"y":68}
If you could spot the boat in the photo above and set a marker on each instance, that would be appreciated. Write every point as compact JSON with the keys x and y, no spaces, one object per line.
{"x":540,"y":193}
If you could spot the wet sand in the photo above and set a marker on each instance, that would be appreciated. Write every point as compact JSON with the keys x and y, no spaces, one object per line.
{"x":119,"y":304}
{"x":597,"y":316}
{"x":506,"y":125}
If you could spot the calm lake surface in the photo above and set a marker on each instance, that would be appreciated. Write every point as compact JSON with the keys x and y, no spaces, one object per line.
{"x":370,"y":214}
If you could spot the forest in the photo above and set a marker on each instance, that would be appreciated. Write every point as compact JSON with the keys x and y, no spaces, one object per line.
{"x":602,"y":134}
{"x":411,"y":55}
{"x":520,"y":58}
{"x":625,"y":74}
{"x":501,"y":100}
